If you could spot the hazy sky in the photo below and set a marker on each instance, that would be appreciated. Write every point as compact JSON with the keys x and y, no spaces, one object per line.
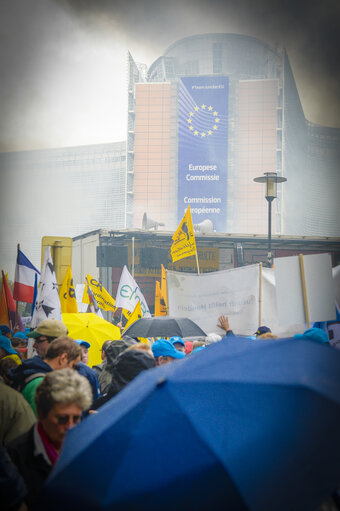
{"x":64,"y":63}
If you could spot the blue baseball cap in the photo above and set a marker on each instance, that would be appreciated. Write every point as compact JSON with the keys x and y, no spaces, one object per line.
{"x":262,"y":330}
{"x":5,"y":344}
{"x":199,"y":348}
{"x":83,"y":343}
{"x":165,"y":348}
{"x":314,"y":334}
{"x":21,"y":335}
{"x":177,"y":339}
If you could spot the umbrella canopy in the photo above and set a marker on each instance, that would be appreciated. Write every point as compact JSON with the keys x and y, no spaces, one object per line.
{"x":252,"y":427}
{"x":90,"y":327}
{"x":164,"y":326}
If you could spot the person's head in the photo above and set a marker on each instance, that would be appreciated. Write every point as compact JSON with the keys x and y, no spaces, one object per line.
{"x":262,"y":330}
{"x":164,"y":352}
{"x":212,"y":337}
{"x":60,"y":399}
{"x":114,"y":349}
{"x":19,"y":340}
{"x":6,"y":347}
{"x":63,"y":353}
{"x":45,"y":333}
{"x":6,"y":331}
{"x":84,"y":345}
{"x":314,"y":334}
{"x":267,"y":335}
{"x":178,"y":343}
{"x":141,"y":346}
{"x":128,"y":365}
{"x":6,"y":364}
{"x":197,"y":344}
{"x":104,"y":347}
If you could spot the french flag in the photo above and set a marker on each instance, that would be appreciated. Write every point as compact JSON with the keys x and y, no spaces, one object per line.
{"x":23,"y":290}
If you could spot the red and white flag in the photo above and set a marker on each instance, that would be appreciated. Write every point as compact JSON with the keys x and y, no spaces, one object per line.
{"x":24,"y":278}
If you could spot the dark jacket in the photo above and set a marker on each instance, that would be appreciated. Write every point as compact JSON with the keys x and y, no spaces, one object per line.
{"x":12,"y":486}
{"x":19,"y":375}
{"x":127,"y":366}
{"x":112,"y":352}
{"x":92,"y":377}
{"x":33,"y":469}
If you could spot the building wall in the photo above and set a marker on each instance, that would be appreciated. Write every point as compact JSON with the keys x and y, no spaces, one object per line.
{"x":59,"y":192}
{"x":256,"y":153}
{"x":152,"y":152}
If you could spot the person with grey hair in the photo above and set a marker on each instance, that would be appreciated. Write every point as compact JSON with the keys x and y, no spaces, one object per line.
{"x":60,"y":399}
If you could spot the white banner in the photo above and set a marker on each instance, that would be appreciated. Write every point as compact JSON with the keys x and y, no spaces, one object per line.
{"x":320,"y":290}
{"x":128,"y":293}
{"x":203,"y":298}
{"x":269,"y":314}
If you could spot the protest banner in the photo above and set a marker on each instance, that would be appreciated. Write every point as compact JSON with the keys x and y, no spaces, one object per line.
{"x":305,"y":290}
{"x":203,"y":298}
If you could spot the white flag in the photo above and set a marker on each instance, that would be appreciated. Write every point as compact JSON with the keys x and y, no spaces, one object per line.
{"x":129,"y":293}
{"x":47,"y":304}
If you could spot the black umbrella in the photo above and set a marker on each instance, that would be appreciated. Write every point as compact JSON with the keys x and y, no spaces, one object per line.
{"x":164,"y":326}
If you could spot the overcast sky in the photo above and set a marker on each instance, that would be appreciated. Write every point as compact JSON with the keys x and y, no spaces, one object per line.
{"x":64,"y":63}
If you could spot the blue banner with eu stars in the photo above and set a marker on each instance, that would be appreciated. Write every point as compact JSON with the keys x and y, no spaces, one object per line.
{"x":203,"y":148}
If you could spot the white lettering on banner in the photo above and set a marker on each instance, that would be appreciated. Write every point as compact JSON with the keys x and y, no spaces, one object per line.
{"x":209,"y":177}
{"x":192,"y":200}
{"x":207,"y":87}
{"x":201,"y":211}
{"x":202,"y":168}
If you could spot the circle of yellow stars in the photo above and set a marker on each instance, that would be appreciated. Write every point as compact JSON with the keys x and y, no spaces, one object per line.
{"x":191,"y":118}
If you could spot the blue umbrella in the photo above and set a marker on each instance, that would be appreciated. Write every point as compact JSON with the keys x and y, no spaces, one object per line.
{"x":240,"y":425}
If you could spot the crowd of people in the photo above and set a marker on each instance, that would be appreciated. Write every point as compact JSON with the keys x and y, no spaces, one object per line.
{"x":42,"y":397}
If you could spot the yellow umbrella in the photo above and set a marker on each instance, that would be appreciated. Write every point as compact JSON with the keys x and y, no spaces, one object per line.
{"x":93,"y":329}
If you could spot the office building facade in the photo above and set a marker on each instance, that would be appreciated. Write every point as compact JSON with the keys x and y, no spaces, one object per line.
{"x":211,"y":114}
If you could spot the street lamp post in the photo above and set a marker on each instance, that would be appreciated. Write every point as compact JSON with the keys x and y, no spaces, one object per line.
{"x":271,"y":179}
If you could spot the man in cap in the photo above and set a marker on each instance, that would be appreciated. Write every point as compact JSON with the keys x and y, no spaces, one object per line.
{"x":164,"y":352}
{"x":45,"y":333}
{"x":262,"y":330}
{"x":62,"y":353}
{"x":178,"y":343}
{"x":85,"y":350}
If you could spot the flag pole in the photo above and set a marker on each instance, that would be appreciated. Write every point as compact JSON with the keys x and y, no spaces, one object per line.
{"x":304,"y":292}
{"x":133,"y":256}
{"x":16,"y":301}
{"x":260,"y":293}
{"x":198,"y":268}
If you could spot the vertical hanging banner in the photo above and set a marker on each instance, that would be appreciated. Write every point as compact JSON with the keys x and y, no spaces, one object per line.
{"x":203,"y":148}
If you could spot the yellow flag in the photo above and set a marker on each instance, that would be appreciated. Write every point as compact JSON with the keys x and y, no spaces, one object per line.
{"x":164,"y":286}
{"x":184,"y":244}
{"x":67,"y":293}
{"x":160,"y":307}
{"x":136,"y":314}
{"x":85,"y":298}
{"x":103,"y":298}
{"x":126,"y":313}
